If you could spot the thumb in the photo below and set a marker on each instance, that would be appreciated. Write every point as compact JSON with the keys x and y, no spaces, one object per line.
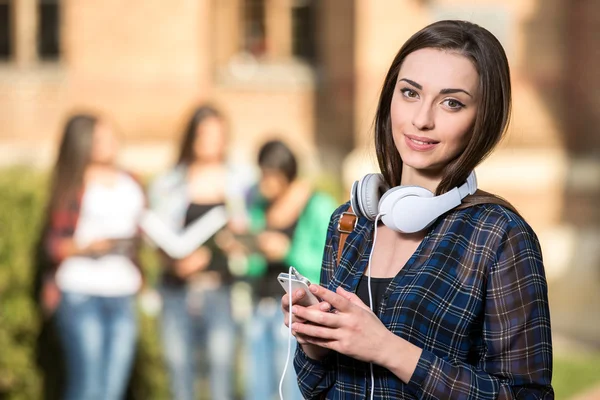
{"x":352,"y":297}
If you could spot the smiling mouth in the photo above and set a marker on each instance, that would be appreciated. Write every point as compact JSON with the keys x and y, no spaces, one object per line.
{"x":421,"y":142}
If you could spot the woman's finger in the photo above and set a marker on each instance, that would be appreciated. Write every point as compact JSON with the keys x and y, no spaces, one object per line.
{"x":316,"y":316}
{"x":316,"y":331}
{"x":285,"y":301}
{"x":325,"y":343}
{"x":338,"y":302}
{"x":352,"y":297}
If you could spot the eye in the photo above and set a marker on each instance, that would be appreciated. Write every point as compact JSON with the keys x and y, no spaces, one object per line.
{"x":453,"y":104}
{"x":409,"y":93}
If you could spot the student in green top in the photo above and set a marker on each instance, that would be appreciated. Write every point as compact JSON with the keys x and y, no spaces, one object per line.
{"x":289,"y":219}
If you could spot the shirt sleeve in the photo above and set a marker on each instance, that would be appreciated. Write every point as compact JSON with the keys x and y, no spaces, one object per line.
{"x":516,"y":333}
{"x":317,"y":376}
{"x":314,"y":376}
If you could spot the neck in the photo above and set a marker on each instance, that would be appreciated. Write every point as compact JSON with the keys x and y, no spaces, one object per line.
{"x":425,"y":179}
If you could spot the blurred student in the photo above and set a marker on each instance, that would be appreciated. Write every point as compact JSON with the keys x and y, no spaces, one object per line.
{"x":290,"y":219}
{"x":196,"y":290}
{"x":91,"y":238}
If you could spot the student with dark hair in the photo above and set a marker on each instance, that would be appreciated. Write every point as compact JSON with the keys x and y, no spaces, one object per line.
{"x":290,"y":220}
{"x":91,"y":237}
{"x":196,"y":289}
{"x":430,"y":288}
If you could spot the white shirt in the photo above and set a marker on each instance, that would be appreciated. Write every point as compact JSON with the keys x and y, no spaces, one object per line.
{"x":107,"y":212}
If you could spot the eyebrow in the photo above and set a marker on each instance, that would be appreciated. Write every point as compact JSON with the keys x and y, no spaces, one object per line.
{"x":443,"y":91}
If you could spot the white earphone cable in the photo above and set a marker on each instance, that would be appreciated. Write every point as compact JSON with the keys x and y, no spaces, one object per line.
{"x":289,"y":347}
{"x":371,"y":295}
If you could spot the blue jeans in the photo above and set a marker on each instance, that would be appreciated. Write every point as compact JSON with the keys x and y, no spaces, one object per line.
{"x":196,"y":322}
{"x":267,"y":343}
{"x":98,"y":336}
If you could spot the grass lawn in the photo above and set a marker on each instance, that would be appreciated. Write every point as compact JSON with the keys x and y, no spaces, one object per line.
{"x":575,"y":373}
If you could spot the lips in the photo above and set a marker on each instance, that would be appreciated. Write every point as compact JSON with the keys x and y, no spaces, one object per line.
{"x":419,"y":143}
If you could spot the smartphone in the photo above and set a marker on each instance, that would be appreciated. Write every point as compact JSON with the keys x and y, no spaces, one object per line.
{"x":298,"y":282}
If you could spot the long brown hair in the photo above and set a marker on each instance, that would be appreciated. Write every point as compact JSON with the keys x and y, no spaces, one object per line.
{"x":494,"y":108}
{"x":200,"y":114}
{"x":74,"y":156}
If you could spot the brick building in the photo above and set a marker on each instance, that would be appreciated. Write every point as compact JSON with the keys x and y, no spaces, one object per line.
{"x":310,"y":71}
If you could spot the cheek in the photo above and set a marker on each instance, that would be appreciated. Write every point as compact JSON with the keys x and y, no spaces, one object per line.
{"x":459,"y":131}
{"x":398,"y":113}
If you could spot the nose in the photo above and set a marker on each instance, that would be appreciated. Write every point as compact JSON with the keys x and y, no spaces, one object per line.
{"x":423,"y":118}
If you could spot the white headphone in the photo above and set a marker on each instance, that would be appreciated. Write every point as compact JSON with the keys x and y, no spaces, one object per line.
{"x":404,"y":209}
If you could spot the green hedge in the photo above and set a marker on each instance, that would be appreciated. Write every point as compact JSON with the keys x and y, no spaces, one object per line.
{"x":26,"y":357}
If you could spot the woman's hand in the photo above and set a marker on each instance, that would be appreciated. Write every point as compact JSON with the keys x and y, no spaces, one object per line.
{"x":352,"y":329}
{"x":197,"y":261}
{"x":314,"y":352}
{"x":274,"y":245}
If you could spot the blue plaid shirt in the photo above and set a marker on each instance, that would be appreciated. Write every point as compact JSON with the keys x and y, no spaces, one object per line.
{"x":473,"y":296}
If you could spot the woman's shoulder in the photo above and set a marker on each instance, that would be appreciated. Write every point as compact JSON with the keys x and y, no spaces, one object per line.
{"x":495,"y":217}
{"x":337,"y":213}
{"x":341,"y":208}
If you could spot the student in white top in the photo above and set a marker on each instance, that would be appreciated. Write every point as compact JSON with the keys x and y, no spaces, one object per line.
{"x":91,"y":238}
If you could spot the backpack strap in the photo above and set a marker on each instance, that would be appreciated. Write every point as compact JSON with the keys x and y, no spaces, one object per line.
{"x":346,"y":225}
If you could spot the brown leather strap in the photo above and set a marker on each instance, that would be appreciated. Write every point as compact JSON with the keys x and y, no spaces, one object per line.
{"x":346,"y":225}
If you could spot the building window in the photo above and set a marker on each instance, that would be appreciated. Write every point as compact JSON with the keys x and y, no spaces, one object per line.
{"x":303,"y":30}
{"x":254,"y":35}
{"x":5,"y":28}
{"x":49,"y":29}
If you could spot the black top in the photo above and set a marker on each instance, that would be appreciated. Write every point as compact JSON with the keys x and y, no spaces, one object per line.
{"x":219,"y":259}
{"x":378,"y":288}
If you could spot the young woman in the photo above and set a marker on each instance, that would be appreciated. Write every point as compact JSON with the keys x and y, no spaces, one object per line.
{"x":196,"y":289}
{"x":451,"y":307}
{"x":91,"y":238}
{"x":290,"y":220}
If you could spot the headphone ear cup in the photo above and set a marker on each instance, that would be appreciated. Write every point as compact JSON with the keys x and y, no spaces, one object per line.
{"x":472,"y":182}
{"x":369,"y":191}
{"x":354,"y":199}
{"x":408,"y":209}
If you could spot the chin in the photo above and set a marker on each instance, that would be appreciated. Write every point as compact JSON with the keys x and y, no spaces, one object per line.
{"x":424,"y":166}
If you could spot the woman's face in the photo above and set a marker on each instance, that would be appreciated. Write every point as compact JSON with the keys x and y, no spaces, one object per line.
{"x":272,"y":183}
{"x":209,"y":144}
{"x":104,"y":144}
{"x":433,"y":108}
